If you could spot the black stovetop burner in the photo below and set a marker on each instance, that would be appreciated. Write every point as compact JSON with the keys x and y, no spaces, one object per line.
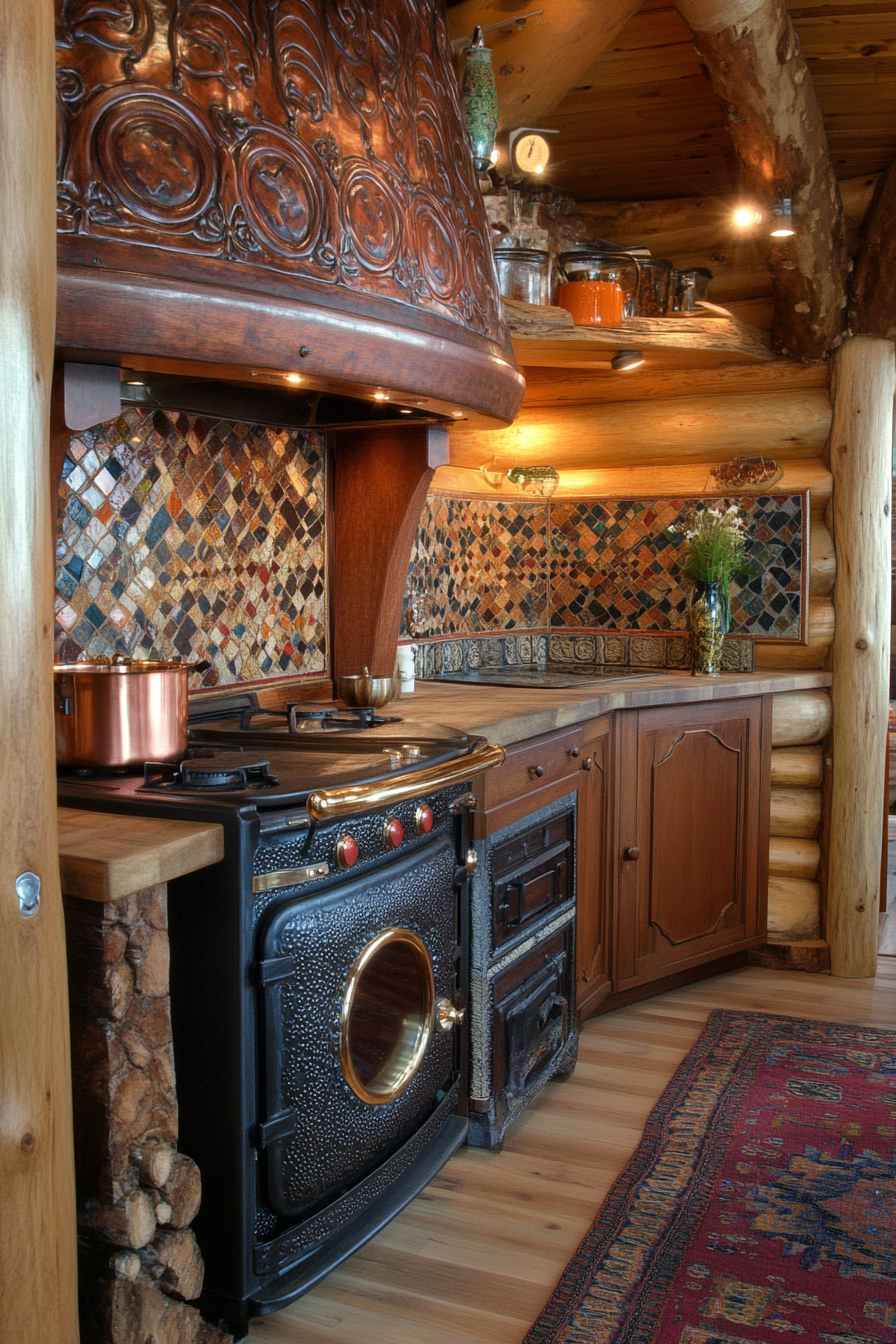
{"x":209,"y":772}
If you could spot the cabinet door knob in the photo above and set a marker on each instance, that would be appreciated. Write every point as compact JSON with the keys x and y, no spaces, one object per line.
{"x":538,"y":771}
{"x":631,"y":852}
{"x":588,"y":763}
{"x":575,"y":752}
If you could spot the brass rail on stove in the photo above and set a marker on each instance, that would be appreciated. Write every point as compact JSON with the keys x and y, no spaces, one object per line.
{"x":329,"y":803}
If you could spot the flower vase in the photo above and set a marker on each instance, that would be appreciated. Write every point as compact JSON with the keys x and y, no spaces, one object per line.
{"x":707,"y":621}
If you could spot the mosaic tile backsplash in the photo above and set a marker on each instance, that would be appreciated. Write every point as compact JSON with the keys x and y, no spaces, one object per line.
{"x":608,"y":565}
{"x":185,"y":536}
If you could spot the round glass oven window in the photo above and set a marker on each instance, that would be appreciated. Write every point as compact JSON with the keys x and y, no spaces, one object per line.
{"x":388,"y":1011}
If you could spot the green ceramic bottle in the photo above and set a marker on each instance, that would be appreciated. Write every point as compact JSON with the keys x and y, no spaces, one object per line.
{"x":707,"y":620}
{"x":479,"y":94}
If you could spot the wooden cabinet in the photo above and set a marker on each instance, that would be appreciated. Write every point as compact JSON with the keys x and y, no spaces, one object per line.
{"x":691,"y":836}
{"x":672,"y":808}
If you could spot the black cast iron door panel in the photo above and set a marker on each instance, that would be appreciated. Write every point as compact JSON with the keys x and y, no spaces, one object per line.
{"x":317,"y":1133}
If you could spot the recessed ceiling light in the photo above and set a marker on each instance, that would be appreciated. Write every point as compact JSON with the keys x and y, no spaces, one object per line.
{"x":135,"y":382}
{"x":403,"y":410}
{"x":457,"y":414}
{"x":627,"y":360}
{"x":381,"y":396}
{"x":293,"y":377}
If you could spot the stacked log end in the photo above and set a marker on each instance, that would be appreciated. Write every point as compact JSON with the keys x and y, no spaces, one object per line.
{"x":801,"y":721}
{"x":137,"y":1195}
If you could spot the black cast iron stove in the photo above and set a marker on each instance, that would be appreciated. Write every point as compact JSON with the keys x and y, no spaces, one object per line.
{"x":318,"y":979}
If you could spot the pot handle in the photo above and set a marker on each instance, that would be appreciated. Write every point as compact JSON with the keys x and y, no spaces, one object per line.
{"x":202,"y":666}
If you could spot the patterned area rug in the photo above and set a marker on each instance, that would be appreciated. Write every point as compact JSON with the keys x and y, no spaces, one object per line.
{"x":760,"y":1204}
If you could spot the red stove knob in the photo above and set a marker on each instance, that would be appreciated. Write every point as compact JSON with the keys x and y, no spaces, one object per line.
{"x":346,"y":851}
{"x":424,"y":819}
{"x":393,"y":832}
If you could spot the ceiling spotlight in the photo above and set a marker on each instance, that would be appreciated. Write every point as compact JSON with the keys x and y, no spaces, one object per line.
{"x":456,"y":414}
{"x":135,"y":382}
{"x":783,"y":219}
{"x":745,"y":216}
{"x":626,"y":360}
{"x":403,"y":410}
{"x":381,"y":396}
{"x":293,"y":377}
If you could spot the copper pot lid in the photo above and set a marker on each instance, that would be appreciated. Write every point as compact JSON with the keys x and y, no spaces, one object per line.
{"x":122,"y":664}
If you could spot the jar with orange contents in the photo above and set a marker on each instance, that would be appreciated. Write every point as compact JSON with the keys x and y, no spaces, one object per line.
{"x":596,"y":286}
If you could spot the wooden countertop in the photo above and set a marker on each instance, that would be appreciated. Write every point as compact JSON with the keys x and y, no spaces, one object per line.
{"x":507,"y":714}
{"x":104,"y":856}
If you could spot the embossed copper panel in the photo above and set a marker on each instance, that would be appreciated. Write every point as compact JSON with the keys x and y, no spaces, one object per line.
{"x":307,"y":139}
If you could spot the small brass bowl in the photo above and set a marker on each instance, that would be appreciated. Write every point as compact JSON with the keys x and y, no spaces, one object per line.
{"x":370,"y":691}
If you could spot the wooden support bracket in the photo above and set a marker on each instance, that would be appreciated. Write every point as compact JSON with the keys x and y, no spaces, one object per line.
{"x":381,"y":478}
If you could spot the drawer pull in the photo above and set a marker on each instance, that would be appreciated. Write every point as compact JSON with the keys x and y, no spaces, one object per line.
{"x":588,"y":763}
{"x":537,"y":770}
{"x":575,"y":752}
{"x":631,"y":852}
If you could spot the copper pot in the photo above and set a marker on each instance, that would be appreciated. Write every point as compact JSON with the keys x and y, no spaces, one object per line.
{"x":118,"y":715}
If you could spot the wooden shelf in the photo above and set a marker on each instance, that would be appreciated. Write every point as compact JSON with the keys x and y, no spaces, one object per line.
{"x":547,"y":337}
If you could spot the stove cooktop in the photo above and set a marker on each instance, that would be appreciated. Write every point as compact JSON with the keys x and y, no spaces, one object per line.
{"x":272,"y":762}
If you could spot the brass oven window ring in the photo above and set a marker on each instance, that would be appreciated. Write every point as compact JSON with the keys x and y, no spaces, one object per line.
{"x":388,"y":1015}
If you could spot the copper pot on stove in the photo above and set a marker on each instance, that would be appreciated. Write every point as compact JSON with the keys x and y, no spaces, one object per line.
{"x":117,"y":715}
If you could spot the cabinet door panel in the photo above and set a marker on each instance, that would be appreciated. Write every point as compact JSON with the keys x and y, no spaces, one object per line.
{"x":691,"y":835}
{"x":696,"y":781}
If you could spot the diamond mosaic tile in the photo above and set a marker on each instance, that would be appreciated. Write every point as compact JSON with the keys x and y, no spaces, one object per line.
{"x":485,"y":566}
{"x":184,"y":536}
{"x":482,"y":565}
{"x":614,"y":566}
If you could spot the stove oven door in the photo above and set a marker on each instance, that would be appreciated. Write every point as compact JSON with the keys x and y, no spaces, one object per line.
{"x":358,"y":982}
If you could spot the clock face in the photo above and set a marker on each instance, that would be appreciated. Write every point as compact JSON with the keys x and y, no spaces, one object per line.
{"x":531,"y":153}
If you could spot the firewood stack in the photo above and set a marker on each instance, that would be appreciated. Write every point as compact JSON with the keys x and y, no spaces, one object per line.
{"x":139,"y":1262}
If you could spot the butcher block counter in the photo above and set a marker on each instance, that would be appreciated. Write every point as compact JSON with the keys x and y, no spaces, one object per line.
{"x":511,"y":714}
{"x":105,"y":856}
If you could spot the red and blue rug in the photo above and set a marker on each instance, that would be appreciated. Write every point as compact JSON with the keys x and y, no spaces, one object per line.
{"x":760,"y":1205}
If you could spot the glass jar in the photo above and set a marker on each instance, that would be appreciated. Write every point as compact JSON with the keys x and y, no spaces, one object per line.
{"x":596,"y":286}
{"x":654,"y":289}
{"x":688,"y":288}
{"x":523,"y":273}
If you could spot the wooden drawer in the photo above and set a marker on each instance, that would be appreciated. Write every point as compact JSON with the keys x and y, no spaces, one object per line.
{"x":532,"y":874}
{"x":534,"y":765}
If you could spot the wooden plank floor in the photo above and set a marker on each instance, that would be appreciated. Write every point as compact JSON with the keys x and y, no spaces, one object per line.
{"x":475,"y":1256}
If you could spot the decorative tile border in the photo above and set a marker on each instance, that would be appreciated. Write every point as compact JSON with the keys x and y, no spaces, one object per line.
{"x":669,"y":652}
{"x":189,"y":537}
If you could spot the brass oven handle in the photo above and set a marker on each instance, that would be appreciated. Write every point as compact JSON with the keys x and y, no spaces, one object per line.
{"x":328,"y":803}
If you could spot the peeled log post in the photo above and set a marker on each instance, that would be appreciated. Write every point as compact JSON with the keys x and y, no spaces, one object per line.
{"x":762,"y":82}
{"x":38,"y":1285}
{"x":873,"y":304}
{"x":861,"y":460}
